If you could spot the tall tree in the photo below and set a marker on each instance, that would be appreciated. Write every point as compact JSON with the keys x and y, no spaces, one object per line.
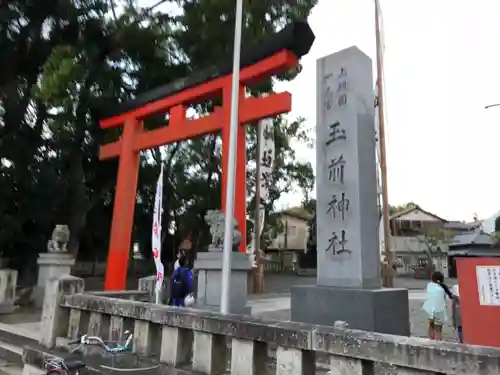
{"x":434,"y":240}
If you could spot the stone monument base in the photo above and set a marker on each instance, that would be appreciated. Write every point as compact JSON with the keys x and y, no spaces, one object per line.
{"x":209,"y":267}
{"x":8,"y":284}
{"x":376,"y":310}
{"x":51,"y":265}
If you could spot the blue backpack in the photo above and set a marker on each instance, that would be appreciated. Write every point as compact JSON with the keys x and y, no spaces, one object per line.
{"x":179,"y":284}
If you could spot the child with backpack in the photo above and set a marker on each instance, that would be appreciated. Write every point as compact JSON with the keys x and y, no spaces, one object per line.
{"x":181,"y":283}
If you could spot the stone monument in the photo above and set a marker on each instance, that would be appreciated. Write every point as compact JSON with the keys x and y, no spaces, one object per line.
{"x":209,"y":267}
{"x":348,"y":279}
{"x":55,"y":263}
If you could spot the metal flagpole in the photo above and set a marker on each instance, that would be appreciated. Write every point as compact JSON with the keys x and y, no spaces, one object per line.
{"x":231,"y":164}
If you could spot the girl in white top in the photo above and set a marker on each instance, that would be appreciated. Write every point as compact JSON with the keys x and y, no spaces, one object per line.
{"x":435,"y":305}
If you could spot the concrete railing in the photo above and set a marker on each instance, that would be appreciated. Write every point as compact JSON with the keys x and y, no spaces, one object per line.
{"x":212,"y":342}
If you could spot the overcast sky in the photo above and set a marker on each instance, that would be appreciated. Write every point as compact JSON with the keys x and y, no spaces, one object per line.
{"x":442,"y":66}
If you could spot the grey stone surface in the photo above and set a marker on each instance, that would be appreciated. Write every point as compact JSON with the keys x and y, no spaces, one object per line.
{"x":348,"y":275}
{"x":248,"y":357}
{"x":148,"y":284}
{"x":8,"y":283}
{"x":376,"y":310}
{"x":55,"y":320}
{"x":415,"y":353}
{"x":215,"y":220}
{"x":209,"y":353}
{"x":347,"y":211}
{"x":418,"y":320}
{"x":209,"y":267}
{"x":59,"y":240}
{"x":176,"y":345}
{"x":51,"y":265}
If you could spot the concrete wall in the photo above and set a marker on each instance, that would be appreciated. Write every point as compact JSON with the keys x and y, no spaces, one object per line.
{"x":181,"y":336}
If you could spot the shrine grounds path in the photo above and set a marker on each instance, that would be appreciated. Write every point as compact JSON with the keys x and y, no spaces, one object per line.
{"x":278,"y":288}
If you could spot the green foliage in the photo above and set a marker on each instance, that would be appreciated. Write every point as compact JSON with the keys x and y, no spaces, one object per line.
{"x":60,"y":78}
{"x":497,"y":224}
{"x":434,"y":239}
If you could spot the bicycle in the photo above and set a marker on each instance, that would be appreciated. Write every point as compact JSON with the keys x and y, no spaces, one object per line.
{"x":119,"y":348}
{"x":114,"y":351}
{"x":73,"y":367}
{"x":63,"y":366}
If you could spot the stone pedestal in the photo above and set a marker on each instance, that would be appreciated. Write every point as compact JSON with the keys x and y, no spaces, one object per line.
{"x":375,"y":310}
{"x":51,"y":265}
{"x":209,"y":267}
{"x":347,"y":216}
{"x":8,"y":283}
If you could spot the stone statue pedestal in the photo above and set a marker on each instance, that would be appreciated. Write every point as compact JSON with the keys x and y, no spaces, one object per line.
{"x":209,"y":267}
{"x":51,"y":265}
{"x":376,"y":310}
{"x":8,"y":283}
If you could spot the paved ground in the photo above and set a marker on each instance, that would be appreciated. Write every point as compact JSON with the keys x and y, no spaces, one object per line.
{"x":279,"y":308}
{"x":279,"y":283}
{"x":274,"y":282}
{"x":275,"y":304}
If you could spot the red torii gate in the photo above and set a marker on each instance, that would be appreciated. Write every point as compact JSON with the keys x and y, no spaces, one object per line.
{"x":276,"y":55}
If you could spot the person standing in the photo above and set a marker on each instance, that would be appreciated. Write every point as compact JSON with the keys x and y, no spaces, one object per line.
{"x":181,"y":283}
{"x":435,"y":305}
{"x":180,"y":254}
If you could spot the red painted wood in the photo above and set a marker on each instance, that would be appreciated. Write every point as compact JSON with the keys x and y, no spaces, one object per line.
{"x":134,"y":140}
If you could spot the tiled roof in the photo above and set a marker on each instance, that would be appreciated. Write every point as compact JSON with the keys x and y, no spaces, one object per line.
{"x":402,"y":213}
{"x":461,"y":225}
{"x":477,"y":237}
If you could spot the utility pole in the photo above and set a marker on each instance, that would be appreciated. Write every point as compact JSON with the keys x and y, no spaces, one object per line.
{"x":389,"y":274}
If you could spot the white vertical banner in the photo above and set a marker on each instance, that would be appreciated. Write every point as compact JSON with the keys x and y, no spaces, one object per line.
{"x":266,"y":157}
{"x":156,"y":235}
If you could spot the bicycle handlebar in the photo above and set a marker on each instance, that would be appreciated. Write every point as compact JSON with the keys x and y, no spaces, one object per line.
{"x":88,"y":340}
{"x":96,"y":340}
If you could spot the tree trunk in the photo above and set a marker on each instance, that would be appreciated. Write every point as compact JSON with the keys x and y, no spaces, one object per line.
{"x":78,"y":203}
{"x":430,"y":265}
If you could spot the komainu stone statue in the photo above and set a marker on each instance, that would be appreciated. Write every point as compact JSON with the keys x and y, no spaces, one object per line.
{"x":215,"y":220}
{"x":59,"y":241}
